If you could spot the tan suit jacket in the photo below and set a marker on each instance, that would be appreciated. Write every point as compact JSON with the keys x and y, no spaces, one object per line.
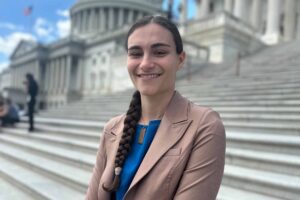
{"x":184,"y":162}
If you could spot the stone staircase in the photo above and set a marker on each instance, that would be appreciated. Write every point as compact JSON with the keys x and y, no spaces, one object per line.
{"x":260,"y":110}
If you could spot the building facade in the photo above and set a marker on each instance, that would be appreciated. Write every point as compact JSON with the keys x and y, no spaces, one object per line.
{"x":92,"y":59}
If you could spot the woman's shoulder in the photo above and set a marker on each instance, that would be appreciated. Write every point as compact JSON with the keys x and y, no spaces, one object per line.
{"x":206,"y":117}
{"x":114,"y":122}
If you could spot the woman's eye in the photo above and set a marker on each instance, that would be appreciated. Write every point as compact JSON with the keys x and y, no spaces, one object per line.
{"x":160,"y":53}
{"x":135,"y":54}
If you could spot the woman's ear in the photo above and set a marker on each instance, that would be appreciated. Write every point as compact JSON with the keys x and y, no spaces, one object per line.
{"x":181,"y":60}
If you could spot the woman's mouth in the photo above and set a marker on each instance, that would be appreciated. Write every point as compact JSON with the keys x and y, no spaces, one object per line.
{"x":148,"y":76}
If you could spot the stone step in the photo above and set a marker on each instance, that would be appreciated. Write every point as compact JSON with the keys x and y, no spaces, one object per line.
{"x":231,"y":193}
{"x":274,"y":143}
{"x":267,"y":161}
{"x":38,"y":186}
{"x":8,"y":191}
{"x":263,"y":127}
{"x":248,"y":117}
{"x":49,"y":168}
{"x":64,"y":122}
{"x":66,"y":156}
{"x":57,"y":141}
{"x":268,"y":183}
{"x":258,"y":109}
{"x":72,"y":133}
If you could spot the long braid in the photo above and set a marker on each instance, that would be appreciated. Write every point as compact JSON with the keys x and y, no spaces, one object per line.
{"x":132,"y":118}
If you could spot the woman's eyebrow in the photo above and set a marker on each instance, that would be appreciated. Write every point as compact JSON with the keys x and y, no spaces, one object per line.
{"x":135,"y":47}
{"x":160,"y":45}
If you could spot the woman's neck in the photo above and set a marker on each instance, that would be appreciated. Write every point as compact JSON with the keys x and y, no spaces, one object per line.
{"x":154,"y":107}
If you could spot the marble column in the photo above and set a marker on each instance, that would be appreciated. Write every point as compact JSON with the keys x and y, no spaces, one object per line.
{"x":111,"y":18}
{"x":61,"y":75}
{"x":92,"y":20}
{"x":79,"y":77}
{"x":204,"y":8}
{"x":183,"y":11}
{"x":68,"y":73}
{"x":290,"y":19}
{"x":63,"y":70}
{"x":130,"y":16}
{"x":97,"y":17}
{"x":47,"y":77}
{"x":84,"y":21}
{"x":79,"y":23}
{"x":272,"y":32}
{"x":256,"y":14}
{"x":51,"y":84}
{"x":241,"y":9}
{"x":102,"y":20}
{"x":228,"y":6}
{"x":121,"y":17}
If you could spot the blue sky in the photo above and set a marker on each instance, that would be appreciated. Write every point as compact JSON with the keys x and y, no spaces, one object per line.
{"x":48,"y":21}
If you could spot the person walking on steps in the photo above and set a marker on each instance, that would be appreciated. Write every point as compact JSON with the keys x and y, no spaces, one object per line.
{"x":32,"y":92}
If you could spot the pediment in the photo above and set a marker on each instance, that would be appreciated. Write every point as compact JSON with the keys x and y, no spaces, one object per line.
{"x":23,"y":47}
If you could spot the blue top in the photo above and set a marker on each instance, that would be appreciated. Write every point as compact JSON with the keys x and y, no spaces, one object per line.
{"x":136,"y":155}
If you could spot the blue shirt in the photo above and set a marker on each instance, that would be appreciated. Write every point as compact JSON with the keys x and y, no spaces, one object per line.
{"x":136,"y":155}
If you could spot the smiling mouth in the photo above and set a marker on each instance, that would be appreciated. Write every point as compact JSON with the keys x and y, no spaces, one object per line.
{"x":148,"y":76}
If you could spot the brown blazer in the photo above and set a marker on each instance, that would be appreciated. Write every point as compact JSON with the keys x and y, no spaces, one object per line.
{"x":184,"y":162}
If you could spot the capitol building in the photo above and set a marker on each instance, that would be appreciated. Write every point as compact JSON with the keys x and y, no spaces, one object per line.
{"x":92,"y":59}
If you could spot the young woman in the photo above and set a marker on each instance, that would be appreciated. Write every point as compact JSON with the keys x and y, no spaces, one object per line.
{"x":164,"y":147}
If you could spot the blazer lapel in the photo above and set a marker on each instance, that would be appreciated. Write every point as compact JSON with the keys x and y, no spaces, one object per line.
{"x":172,"y":127}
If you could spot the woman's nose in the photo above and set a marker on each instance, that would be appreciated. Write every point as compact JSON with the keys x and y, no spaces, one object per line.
{"x":146,"y":63}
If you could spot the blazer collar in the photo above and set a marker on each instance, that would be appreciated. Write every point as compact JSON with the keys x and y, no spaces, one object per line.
{"x":172,"y":127}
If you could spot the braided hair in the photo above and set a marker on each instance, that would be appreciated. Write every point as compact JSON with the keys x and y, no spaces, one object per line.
{"x":132,"y":118}
{"x":133,"y":114}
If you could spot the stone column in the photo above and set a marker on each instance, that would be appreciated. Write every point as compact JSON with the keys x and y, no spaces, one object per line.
{"x":79,"y":22}
{"x":204,"y":8}
{"x":183,"y":11}
{"x":79,"y":75}
{"x":47,"y":77}
{"x":256,"y":14}
{"x":130,"y":16}
{"x":102,"y":20}
{"x":289,"y":19}
{"x":63,"y":73}
{"x":121,"y":17}
{"x":51,"y":81}
{"x":272,"y":32}
{"x":57,"y":74}
{"x":97,"y":17}
{"x":140,"y":15}
{"x":228,"y":6}
{"x":68,"y":73}
{"x":84,"y":21}
{"x":241,"y":9}
{"x":111,"y":18}
{"x":92,"y":20}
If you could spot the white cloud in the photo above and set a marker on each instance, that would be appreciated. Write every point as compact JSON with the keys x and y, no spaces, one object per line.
{"x":63,"y":27}
{"x":44,"y":29}
{"x":9,"y":42}
{"x":63,"y":13}
{"x":10,"y":26}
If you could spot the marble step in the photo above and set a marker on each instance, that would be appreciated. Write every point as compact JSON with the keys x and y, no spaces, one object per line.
{"x":37,"y":185}
{"x":266,"y":142}
{"x":8,"y":191}
{"x":267,"y":161}
{"x":231,"y":193}
{"x":263,"y":127}
{"x":268,"y":183}
{"x":52,"y":169}
{"x":57,"y":141}
{"x":65,"y":132}
{"x":60,"y":154}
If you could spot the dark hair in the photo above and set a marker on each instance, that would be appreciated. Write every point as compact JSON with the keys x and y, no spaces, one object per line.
{"x":133,"y":114}
{"x":162,"y":21}
{"x":132,"y":118}
{"x":29,"y":77}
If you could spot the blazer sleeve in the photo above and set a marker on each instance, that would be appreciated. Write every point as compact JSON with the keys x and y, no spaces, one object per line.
{"x":203,"y":173}
{"x":92,"y":192}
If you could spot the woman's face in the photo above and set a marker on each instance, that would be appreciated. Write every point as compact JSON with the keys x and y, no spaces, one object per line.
{"x":152,"y":60}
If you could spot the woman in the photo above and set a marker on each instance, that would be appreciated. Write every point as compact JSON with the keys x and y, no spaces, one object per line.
{"x":165,"y":147}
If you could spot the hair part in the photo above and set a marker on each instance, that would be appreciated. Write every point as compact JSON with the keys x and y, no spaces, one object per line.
{"x":162,"y":21}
